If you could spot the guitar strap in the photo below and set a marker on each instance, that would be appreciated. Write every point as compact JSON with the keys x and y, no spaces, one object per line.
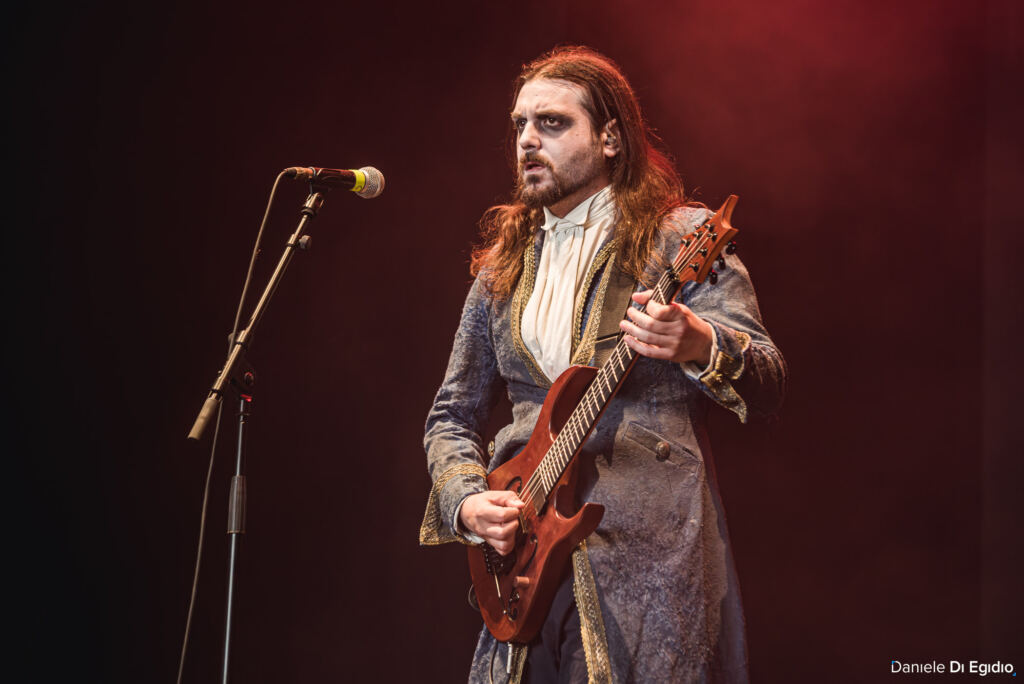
{"x":613,"y":310}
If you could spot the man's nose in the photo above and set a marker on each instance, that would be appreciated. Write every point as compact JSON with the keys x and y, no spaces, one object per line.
{"x":528,"y":138}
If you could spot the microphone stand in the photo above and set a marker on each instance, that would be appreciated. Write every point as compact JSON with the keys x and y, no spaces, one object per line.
{"x":239,"y":375}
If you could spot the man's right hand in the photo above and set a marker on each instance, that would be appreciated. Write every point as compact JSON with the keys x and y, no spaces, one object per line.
{"x":494,"y":515}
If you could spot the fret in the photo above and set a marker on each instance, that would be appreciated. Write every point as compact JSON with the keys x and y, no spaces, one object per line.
{"x":615,"y":369}
{"x":577,"y":419}
{"x":620,"y":361}
{"x":582,"y":427}
{"x":662,"y":295}
{"x":612,"y":374}
{"x":588,"y":418}
{"x":572,"y":430}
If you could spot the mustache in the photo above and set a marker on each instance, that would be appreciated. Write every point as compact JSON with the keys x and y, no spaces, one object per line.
{"x":532,"y":158}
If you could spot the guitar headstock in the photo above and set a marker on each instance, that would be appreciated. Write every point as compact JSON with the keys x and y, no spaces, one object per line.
{"x":700,"y":248}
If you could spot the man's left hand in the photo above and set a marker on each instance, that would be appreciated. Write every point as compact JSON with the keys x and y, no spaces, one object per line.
{"x":667,"y":331}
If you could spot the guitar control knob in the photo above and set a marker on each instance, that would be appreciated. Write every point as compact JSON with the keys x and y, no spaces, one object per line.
{"x":713,"y":277}
{"x":720,"y":262}
{"x":731,"y":247}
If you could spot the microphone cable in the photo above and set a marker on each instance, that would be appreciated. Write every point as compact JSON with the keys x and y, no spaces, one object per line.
{"x":216,"y":432}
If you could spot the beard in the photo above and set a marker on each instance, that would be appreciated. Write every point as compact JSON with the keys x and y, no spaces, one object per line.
{"x":536,"y":192}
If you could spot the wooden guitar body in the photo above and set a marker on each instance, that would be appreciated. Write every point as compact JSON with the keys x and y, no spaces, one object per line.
{"x":515,"y":591}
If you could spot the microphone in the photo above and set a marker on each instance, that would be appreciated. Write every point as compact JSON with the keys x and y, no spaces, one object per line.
{"x":366,"y":182}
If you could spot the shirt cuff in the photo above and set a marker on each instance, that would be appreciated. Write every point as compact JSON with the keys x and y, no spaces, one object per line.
{"x":694,"y":370}
{"x":461,"y":529}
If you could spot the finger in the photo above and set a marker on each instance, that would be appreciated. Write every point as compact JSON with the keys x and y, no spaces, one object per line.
{"x":648,"y":350}
{"x":506,"y":498}
{"x":665,"y":312}
{"x":656,"y":309}
{"x":641,"y":298}
{"x":662,"y":327}
{"x":499,"y":514}
{"x":501,"y":532}
{"x":649,"y":337}
{"x":502,"y":547}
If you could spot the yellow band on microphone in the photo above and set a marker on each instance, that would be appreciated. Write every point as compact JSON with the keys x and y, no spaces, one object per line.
{"x":360,"y":180}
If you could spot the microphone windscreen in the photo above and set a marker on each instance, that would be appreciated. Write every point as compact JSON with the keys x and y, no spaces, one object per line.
{"x":374,"y":183}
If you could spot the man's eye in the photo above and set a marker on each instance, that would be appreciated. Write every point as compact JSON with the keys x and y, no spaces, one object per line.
{"x":519,"y":124}
{"x":552,"y":121}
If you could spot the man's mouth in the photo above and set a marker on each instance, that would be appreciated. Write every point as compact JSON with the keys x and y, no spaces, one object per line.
{"x":533,"y":166}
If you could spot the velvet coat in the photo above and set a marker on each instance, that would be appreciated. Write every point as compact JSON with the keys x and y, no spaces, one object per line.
{"x":659,"y":568}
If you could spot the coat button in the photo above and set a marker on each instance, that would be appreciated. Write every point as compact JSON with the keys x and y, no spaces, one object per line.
{"x":662,"y":450}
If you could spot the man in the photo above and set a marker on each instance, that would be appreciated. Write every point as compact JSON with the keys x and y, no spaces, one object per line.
{"x":652,"y":595}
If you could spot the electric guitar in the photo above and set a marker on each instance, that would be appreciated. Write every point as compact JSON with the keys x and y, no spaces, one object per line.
{"x":515,"y":591}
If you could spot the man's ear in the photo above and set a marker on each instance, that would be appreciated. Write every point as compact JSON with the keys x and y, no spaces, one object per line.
{"x":611,"y":141}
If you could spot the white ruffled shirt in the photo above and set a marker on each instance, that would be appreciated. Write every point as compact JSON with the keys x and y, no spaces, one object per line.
{"x":570,"y":245}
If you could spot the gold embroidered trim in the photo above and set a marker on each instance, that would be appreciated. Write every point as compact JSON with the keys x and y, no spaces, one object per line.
{"x":518,"y":659}
{"x":522,"y":294}
{"x":724,"y":370}
{"x":595,"y":642}
{"x":433,"y":530}
{"x":583,"y":342}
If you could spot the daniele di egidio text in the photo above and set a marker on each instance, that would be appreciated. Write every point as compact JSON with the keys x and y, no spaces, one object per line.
{"x":972,"y":667}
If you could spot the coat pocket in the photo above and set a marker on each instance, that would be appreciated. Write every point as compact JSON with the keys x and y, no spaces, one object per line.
{"x":665,"y":450}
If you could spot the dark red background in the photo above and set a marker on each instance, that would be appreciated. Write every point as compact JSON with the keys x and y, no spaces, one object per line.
{"x":876,"y":152}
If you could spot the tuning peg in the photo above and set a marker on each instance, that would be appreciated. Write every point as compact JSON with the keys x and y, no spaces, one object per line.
{"x":713,"y":277}
{"x":731,"y":247}
{"x":720,"y":262}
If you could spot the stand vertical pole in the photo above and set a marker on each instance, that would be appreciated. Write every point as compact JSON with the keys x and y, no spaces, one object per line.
{"x":236,"y":527}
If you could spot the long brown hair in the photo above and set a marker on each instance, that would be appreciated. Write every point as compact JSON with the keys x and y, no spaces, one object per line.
{"x":644,"y":182}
